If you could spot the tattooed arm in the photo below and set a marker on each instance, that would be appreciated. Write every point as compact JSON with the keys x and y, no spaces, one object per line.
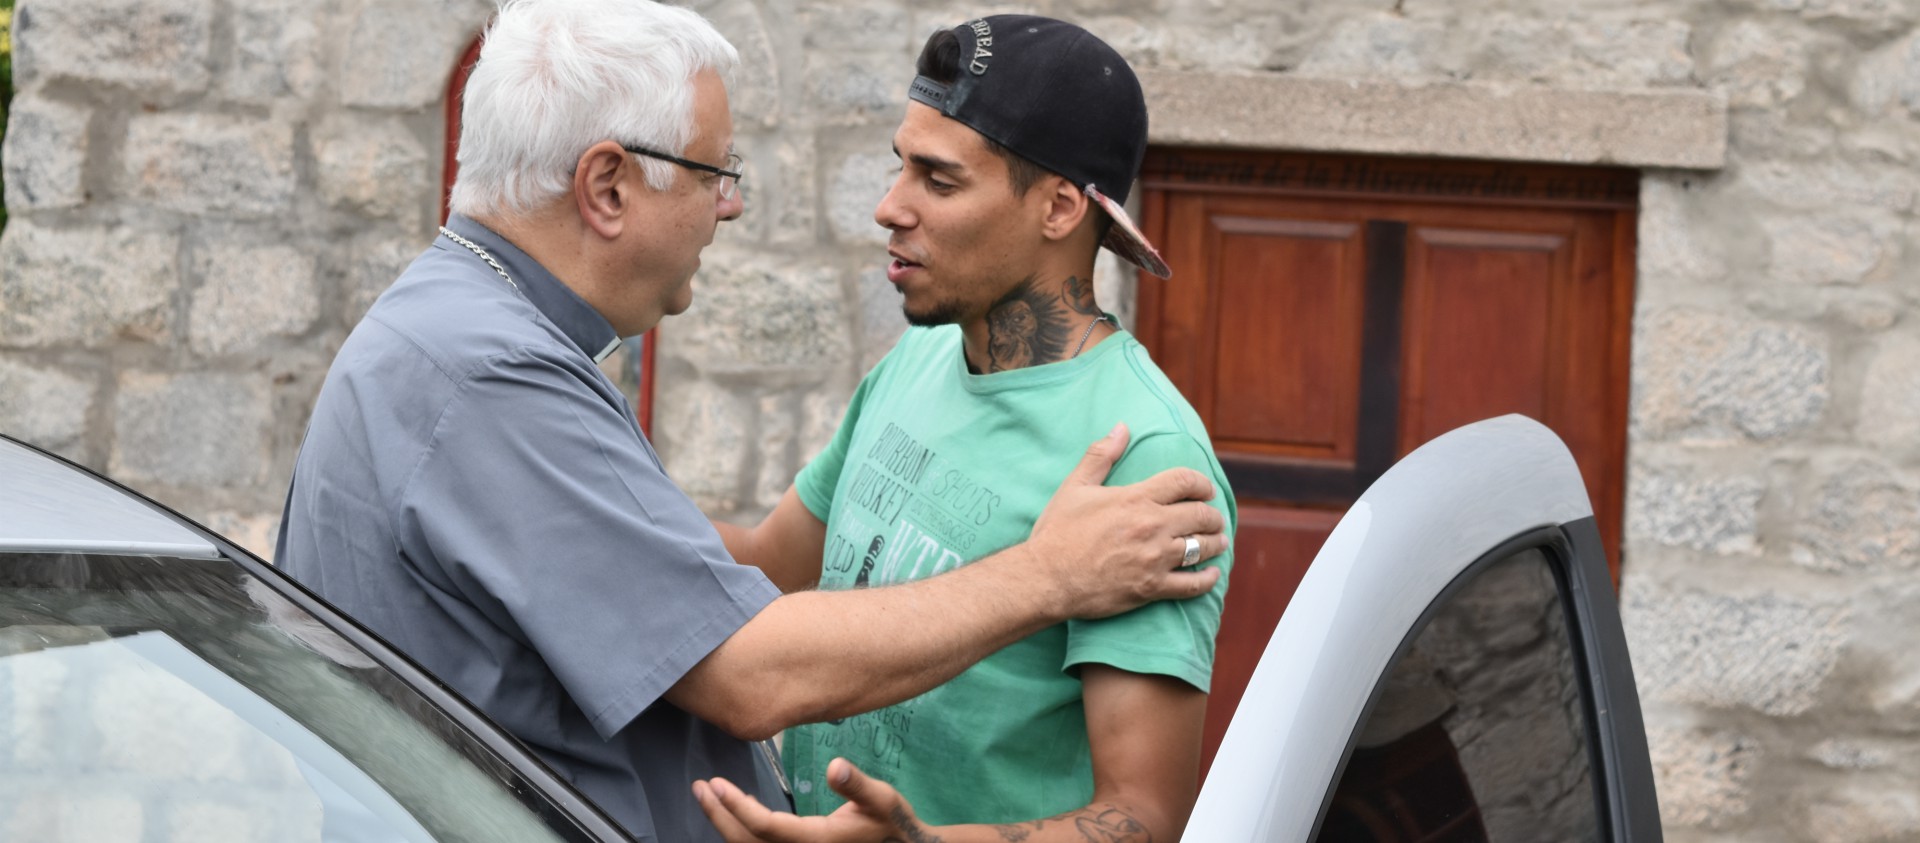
{"x":1145,"y":732}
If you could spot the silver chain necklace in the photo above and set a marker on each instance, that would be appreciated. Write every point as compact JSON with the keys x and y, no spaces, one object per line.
{"x":475,"y":248}
{"x":1088,"y":335}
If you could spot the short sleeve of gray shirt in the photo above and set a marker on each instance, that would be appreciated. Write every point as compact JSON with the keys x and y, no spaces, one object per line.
{"x":539,"y":521}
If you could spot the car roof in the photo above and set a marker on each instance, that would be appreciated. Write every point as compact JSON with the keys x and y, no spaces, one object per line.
{"x":49,"y":505}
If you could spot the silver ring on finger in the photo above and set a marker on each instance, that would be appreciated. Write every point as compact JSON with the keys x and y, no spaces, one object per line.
{"x":1192,"y":553}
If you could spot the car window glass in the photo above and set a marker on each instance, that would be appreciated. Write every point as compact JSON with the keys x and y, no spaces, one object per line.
{"x":1479,"y":732}
{"x":171,"y":699}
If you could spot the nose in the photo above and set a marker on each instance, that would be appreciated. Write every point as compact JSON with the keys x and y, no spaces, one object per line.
{"x":731,"y":207}
{"x":892,"y":213}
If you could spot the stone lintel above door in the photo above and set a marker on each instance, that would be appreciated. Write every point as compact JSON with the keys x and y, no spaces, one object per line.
{"x":1683,"y":128}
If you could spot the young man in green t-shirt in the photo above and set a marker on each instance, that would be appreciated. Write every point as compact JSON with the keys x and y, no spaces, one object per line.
{"x":1022,"y":136}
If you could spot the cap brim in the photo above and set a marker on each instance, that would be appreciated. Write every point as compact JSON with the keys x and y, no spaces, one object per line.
{"x":1125,"y":240}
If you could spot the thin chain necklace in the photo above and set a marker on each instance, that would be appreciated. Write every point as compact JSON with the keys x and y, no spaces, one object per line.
{"x":475,"y":248}
{"x":1088,"y":335}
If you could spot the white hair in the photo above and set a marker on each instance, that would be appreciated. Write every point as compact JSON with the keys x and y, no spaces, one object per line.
{"x":558,"y":76}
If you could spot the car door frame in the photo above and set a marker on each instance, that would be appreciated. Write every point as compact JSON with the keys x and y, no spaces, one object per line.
{"x":1465,"y":500}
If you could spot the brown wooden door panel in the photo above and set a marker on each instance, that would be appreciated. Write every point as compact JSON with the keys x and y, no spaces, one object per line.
{"x":1328,"y":314}
{"x":1293,"y":392}
{"x":1478,"y":302}
{"x":1270,"y":555}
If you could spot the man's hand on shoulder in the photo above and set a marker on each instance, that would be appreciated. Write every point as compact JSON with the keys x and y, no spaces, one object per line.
{"x":1107,"y":549}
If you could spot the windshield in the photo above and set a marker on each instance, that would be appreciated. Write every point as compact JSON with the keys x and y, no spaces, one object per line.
{"x":148,"y":698}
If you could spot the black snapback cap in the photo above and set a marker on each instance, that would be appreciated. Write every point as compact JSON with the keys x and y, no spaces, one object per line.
{"x":1057,"y":96}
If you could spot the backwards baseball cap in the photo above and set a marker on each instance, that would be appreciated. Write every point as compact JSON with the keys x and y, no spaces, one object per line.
{"x":1057,"y":96}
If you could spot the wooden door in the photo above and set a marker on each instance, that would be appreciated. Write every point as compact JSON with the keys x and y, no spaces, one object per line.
{"x":1327,"y":315}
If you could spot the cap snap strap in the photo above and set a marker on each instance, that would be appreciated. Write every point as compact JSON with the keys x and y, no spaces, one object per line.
{"x":929,"y":92}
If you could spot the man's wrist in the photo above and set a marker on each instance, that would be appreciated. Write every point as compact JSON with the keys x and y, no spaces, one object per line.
{"x":1030,"y":568}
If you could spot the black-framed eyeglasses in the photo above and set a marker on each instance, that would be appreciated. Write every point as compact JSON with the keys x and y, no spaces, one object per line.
{"x":729,"y":177}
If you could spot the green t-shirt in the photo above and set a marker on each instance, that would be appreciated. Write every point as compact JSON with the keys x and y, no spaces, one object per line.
{"x":934,"y":467}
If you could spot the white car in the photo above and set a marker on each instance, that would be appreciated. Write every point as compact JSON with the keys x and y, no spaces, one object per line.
{"x":1451,"y":669}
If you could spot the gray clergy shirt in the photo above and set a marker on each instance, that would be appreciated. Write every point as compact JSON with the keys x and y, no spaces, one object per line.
{"x":474,"y":490}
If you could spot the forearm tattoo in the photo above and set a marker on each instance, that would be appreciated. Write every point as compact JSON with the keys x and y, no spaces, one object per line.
{"x":1078,"y":294}
{"x":914,"y":833}
{"x":1026,"y":327}
{"x":1094,"y":824}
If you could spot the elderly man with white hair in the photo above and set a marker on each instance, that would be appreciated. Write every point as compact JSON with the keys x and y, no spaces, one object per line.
{"x":474,"y":489}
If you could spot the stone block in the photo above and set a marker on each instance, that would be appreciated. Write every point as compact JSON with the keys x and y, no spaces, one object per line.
{"x":858,"y":87}
{"x":1837,"y":249}
{"x":820,"y":413}
{"x":1678,"y":508}
{"x":374,"y":262}
{"x":249,"y":295}
{"x":1239,"y":45}
{"x":255,"y":532}
{"x":780,"y":190}
{"x":779,"y":429}
{"x":277,"y":50}
{"x":1863,"y":518}
{"x":930,"y":17}
{"x":1890,"y":396}
{"x":400,"y":53}
{"x":1865,"y":812}
{"x":46,"y":407}
{"x":175,"y":732}
{"x":1775,"y":132}
{"x":373,"y":166}
{"x":702,"y":431}
{"x":859,"y":183}
{"x":1887,"y":78}
{"x":1756,"y":65}
{"x":1829,"y":185}
{"x":202,"y":821}
{"x":46,"y":152}
{"x":1380,"y":44}
{"x":211,"y":164}
{"x":191,"y":430}
{"x":1704,"y":375}
{"x":1768,"y":653}
{"x":881,"y":320}
{"x":1143,"y":43}
{"x":1863,"y":17}
{"x":1675,"y":243}
{"x":158,"y":50}
{"x":754,"y":94}
{"x":1582,"y":52}
{"x":1704,"y":777}
{"x":85,"y":286}
{"x":827,"y":25}
{"x":37,"y":695}
{"x":63,"y":814}
{"x":762,"y":312}
{"x":1844,"y":754}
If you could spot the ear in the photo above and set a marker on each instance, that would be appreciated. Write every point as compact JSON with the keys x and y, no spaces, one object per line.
{"x":1067,"y":206}
{"x":602,"y":192}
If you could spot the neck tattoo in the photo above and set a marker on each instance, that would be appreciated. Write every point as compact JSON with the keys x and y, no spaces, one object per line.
{"x":1030,"y":326}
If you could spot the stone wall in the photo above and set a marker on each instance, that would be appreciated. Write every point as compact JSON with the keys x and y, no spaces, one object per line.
{"x":207,"y":193}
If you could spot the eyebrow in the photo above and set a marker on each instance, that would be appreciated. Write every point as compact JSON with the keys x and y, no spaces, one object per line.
{"x":938,"y":165}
